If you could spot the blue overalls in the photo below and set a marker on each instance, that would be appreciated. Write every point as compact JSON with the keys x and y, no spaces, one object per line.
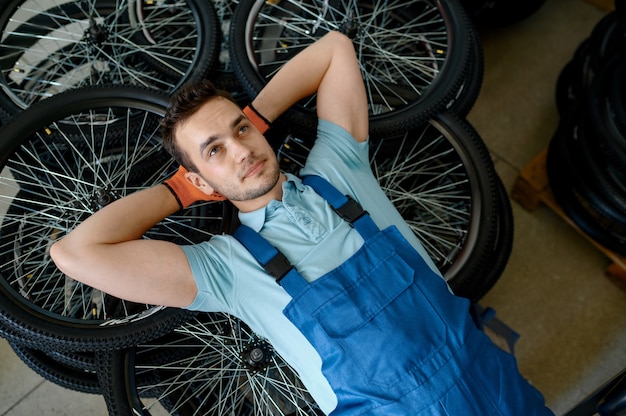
{"x":392,"y":338}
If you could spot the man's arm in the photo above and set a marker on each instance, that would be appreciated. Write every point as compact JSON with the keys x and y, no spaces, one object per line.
{"x":106,"y":252}
{"x":330,"y":68}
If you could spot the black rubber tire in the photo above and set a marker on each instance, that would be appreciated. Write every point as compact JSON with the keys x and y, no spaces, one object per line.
{"x":407,"y":100}
{"x":112,"y":49}
{"x":46,"y":180}
{"x":604,"y":111}
{"x":616,"y":95}
{"x":470,"y":89}
{"x":61,"y":373}
{"x":607,"y":38}
{"x":468,"y":275}
{"x":503,"y":243}
{"x":223,"y":73}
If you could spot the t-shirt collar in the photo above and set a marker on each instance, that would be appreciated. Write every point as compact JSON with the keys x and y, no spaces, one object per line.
{"x":255,"y":219}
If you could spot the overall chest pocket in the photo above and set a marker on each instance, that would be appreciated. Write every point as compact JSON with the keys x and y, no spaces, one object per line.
{"x":377,"y":319}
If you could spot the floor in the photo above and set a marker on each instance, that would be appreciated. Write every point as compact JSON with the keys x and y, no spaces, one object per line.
{"x":554,"y":293}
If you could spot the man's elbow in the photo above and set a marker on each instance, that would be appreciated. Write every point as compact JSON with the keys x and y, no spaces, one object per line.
{"x":61,"y":256}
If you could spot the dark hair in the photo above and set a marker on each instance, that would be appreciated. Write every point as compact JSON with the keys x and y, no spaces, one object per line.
{"x":183,"y":104}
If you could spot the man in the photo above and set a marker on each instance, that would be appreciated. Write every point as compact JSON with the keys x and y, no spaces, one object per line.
{"x":225,"y":155}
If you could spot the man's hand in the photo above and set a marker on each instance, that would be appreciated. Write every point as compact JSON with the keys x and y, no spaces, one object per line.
{"x":185,"y":193}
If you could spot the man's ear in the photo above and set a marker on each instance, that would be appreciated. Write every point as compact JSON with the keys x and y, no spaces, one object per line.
{"x":198,"y":181}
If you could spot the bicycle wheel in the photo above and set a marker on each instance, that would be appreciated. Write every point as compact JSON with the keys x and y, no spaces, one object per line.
{"x":94,"y":42}
{"x":61,"y":160}
{"x":441,"y":179}
{"x":212,"y":365}
{"x":413,"y":54}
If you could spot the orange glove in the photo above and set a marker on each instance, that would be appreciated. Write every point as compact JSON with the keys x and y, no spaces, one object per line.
{"x":260,"y":122}
{"x":185,"y":193}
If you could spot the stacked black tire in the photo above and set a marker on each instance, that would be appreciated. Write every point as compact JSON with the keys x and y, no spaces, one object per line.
{"x":586,"y":160}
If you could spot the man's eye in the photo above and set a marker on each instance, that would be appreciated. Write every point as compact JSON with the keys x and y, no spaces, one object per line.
{"x":213,"y":151}
{"x":243,"y":129}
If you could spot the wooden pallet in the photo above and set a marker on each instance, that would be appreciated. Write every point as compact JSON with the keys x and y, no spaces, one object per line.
{"x":532,"y":189}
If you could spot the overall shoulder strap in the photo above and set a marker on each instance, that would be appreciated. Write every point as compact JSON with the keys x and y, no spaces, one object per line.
{"x":344,"y":205}
{"x":268,"y":256}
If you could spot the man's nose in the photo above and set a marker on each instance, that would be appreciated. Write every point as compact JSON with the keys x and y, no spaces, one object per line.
{"x":240,"y":150}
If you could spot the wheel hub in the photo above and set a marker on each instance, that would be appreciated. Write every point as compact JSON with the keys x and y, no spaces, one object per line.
{"x":350,"y":27}
{"x":102,"y":197}
{"x":257,"y":355}
{"x":96,"y":34}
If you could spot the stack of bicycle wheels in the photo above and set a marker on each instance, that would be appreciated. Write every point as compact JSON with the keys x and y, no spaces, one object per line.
{"x":586,"y":161}
{"x":67,"y":151}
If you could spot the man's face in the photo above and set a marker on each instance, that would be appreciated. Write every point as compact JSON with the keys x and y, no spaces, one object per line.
{"x":232,"y":156}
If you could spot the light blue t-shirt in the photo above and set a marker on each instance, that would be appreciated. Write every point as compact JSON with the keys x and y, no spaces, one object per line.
{"x":312,"y":237}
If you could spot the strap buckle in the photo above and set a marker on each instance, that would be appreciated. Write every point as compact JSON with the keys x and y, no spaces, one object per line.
{"x":278,"y":266}
{"x":350,"y":211}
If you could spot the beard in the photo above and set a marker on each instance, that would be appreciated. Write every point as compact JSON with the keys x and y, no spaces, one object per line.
{"x":263,"y":183}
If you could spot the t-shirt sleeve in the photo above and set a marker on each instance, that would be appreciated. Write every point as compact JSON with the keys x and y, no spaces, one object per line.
{"x":336,"y":154}
{"x":214,"y":279}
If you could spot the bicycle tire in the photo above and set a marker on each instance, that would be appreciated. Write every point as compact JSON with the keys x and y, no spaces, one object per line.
{"x":97,"y":42}
{"x":56,"y":371}
{"x":223,"y":74}
{"x":52,"y":177}
{"x":503,"y":244}
{"x":468,"y":93}
{"x":204,"y":368}
{"x":388,"y":35}
{"x":616,"y":96}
